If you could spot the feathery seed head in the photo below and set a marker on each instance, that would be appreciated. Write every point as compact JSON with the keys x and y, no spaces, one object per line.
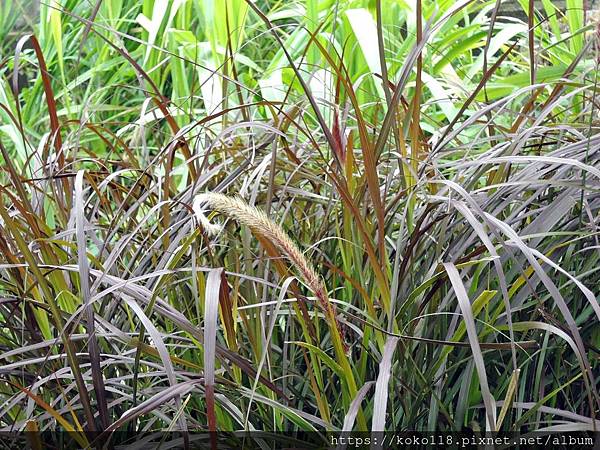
{"x":260,"y":224}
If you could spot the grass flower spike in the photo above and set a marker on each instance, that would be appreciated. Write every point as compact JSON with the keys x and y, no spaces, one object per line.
{"x":260,"y":224}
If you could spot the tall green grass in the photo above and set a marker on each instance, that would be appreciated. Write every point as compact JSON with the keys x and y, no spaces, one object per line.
{"x":408,"y":200}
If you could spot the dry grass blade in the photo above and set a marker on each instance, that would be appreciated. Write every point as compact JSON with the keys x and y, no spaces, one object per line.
{"x":465,"y":307}
{"x":509,"y":399}
{"x":350,"y":416}
{"x":84,"y":281}
{"x":158,"y":341}
{"x":211,"y":308}
{"x":381,"y":385}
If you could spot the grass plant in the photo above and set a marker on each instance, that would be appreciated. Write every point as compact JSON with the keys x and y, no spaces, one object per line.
{"x":408,"y":195}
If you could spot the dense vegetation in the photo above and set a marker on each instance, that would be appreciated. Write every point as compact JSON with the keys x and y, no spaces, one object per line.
{"x":297,"y":215}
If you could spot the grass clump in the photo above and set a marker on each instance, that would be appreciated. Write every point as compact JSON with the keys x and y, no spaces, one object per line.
{"x":414,"y":195}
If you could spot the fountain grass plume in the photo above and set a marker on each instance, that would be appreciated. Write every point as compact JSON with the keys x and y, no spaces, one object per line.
{"x":261,"y":225}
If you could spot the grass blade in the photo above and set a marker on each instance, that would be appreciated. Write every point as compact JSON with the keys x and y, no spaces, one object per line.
{"x":465,"y":307}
